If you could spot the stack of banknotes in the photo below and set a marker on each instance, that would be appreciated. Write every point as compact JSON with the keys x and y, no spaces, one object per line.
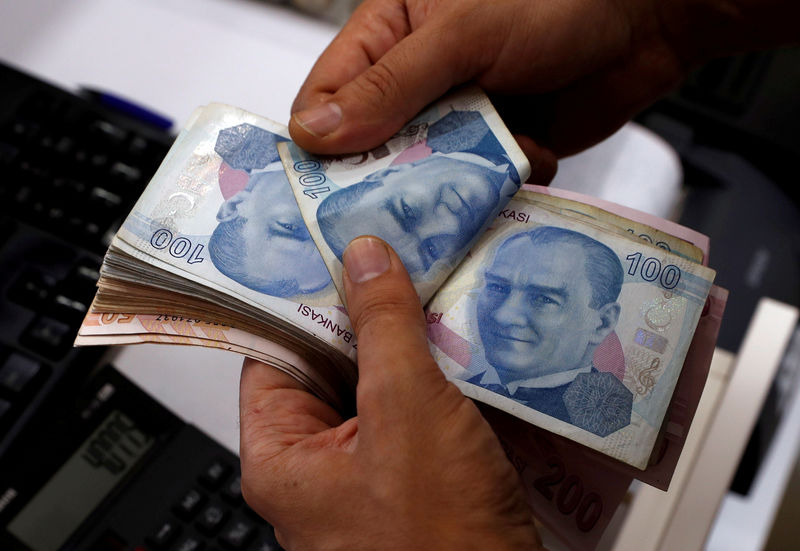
{"x":584,"y":329}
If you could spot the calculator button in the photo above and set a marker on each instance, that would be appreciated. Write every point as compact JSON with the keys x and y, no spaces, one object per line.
{"x":211,"y":519}
{"x":189,"y":543}
{"x":164,"y":534}
{"x":237,"y":535}
{"x":215,"y":474}
{"x":189,"y":504}
{"x":17,"y":372}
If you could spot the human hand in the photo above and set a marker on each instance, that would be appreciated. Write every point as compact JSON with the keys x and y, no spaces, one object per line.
{"x":563,"y":75}
{"x":418,"y":468}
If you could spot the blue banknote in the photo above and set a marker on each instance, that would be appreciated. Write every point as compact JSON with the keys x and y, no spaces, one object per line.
{"x":430,"y":191}
{"x":579,"y":328}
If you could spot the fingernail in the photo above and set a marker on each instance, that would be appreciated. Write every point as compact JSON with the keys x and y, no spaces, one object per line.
{"x":365,"y":258}
{"x":321,"y":120}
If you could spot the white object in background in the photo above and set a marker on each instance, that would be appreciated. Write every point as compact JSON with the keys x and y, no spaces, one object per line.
{"x":651,"y":510}
{"x":744,"y":523}
{"x":170,"y":56}
{"x":756,"y":364}
{"x":199,"y":385}
{"x":633,"y":167}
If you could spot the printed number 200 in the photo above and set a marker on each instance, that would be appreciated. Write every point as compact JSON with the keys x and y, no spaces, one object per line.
{"x":569,"y":496}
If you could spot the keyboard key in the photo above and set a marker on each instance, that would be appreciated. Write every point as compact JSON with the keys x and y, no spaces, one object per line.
{"x":69,"y":310}
{"x":237,"y":535}
{"x":125,"y":173}
{"x":76,"y":291}
{"x":138,"y":146}
{"x":232,"y":491}
{"x":108,"y":132}
{"x":23,"y":130}
{"x":215,"y":474}
{"x":48,"y":337}
{"x":189,"y":543}
{"x":31,"y":288}
{"x":17,"y":372}
{"x":164,"y":534}
{"x":211,"y":519}
{"x":189,"y":504}
{"x":104,"y":199}
{"x":267,"y":543}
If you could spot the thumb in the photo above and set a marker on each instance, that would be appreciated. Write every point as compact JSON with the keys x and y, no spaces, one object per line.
{"x":363,"y":112}
{"x":394,"y":361}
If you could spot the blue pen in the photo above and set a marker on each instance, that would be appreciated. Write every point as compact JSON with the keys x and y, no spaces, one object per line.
{"x":127,"y":107}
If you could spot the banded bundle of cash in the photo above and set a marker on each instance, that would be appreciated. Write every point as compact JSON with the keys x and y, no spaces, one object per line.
{"x":586,"y":327}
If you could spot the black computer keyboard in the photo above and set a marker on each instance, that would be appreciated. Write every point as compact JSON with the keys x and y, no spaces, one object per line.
{"x":70,"y":170}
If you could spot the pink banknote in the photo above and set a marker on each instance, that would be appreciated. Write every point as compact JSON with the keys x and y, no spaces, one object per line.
{"x":672,"y":228}
{"x":572,"y":494}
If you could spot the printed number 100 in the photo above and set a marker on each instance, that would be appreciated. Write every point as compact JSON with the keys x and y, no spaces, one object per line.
{"x":178,"y":247}
{"x":650,"y":269}
{"x":311,"y":177}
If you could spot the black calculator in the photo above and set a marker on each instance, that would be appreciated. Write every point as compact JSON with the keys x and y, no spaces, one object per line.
{"x":115,"y":471}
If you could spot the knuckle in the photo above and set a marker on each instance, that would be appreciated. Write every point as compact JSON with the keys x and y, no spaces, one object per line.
{"x":386,"y":311}
{"x":380,"y":84}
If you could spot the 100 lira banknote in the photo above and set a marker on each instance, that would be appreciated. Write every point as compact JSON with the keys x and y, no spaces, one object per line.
{"x":514,"y":326}
{"x":573,"y":327}
{"x":219,"y":213}
{"x":429,"y":192}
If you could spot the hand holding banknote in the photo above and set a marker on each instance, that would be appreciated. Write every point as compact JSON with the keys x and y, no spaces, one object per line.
{"x":218,"y":252}
{"x":393,"y":58}
{"x":577,"y":69}
{"x":418,"y":468}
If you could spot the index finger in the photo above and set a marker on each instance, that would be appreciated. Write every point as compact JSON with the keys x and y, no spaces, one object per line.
{"x":373,"y":29}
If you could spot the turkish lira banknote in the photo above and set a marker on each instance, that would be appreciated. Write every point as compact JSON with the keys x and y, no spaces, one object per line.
{"x":218,"y":223}
{"x":577,"y":327}
{"x":429,"y":192}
